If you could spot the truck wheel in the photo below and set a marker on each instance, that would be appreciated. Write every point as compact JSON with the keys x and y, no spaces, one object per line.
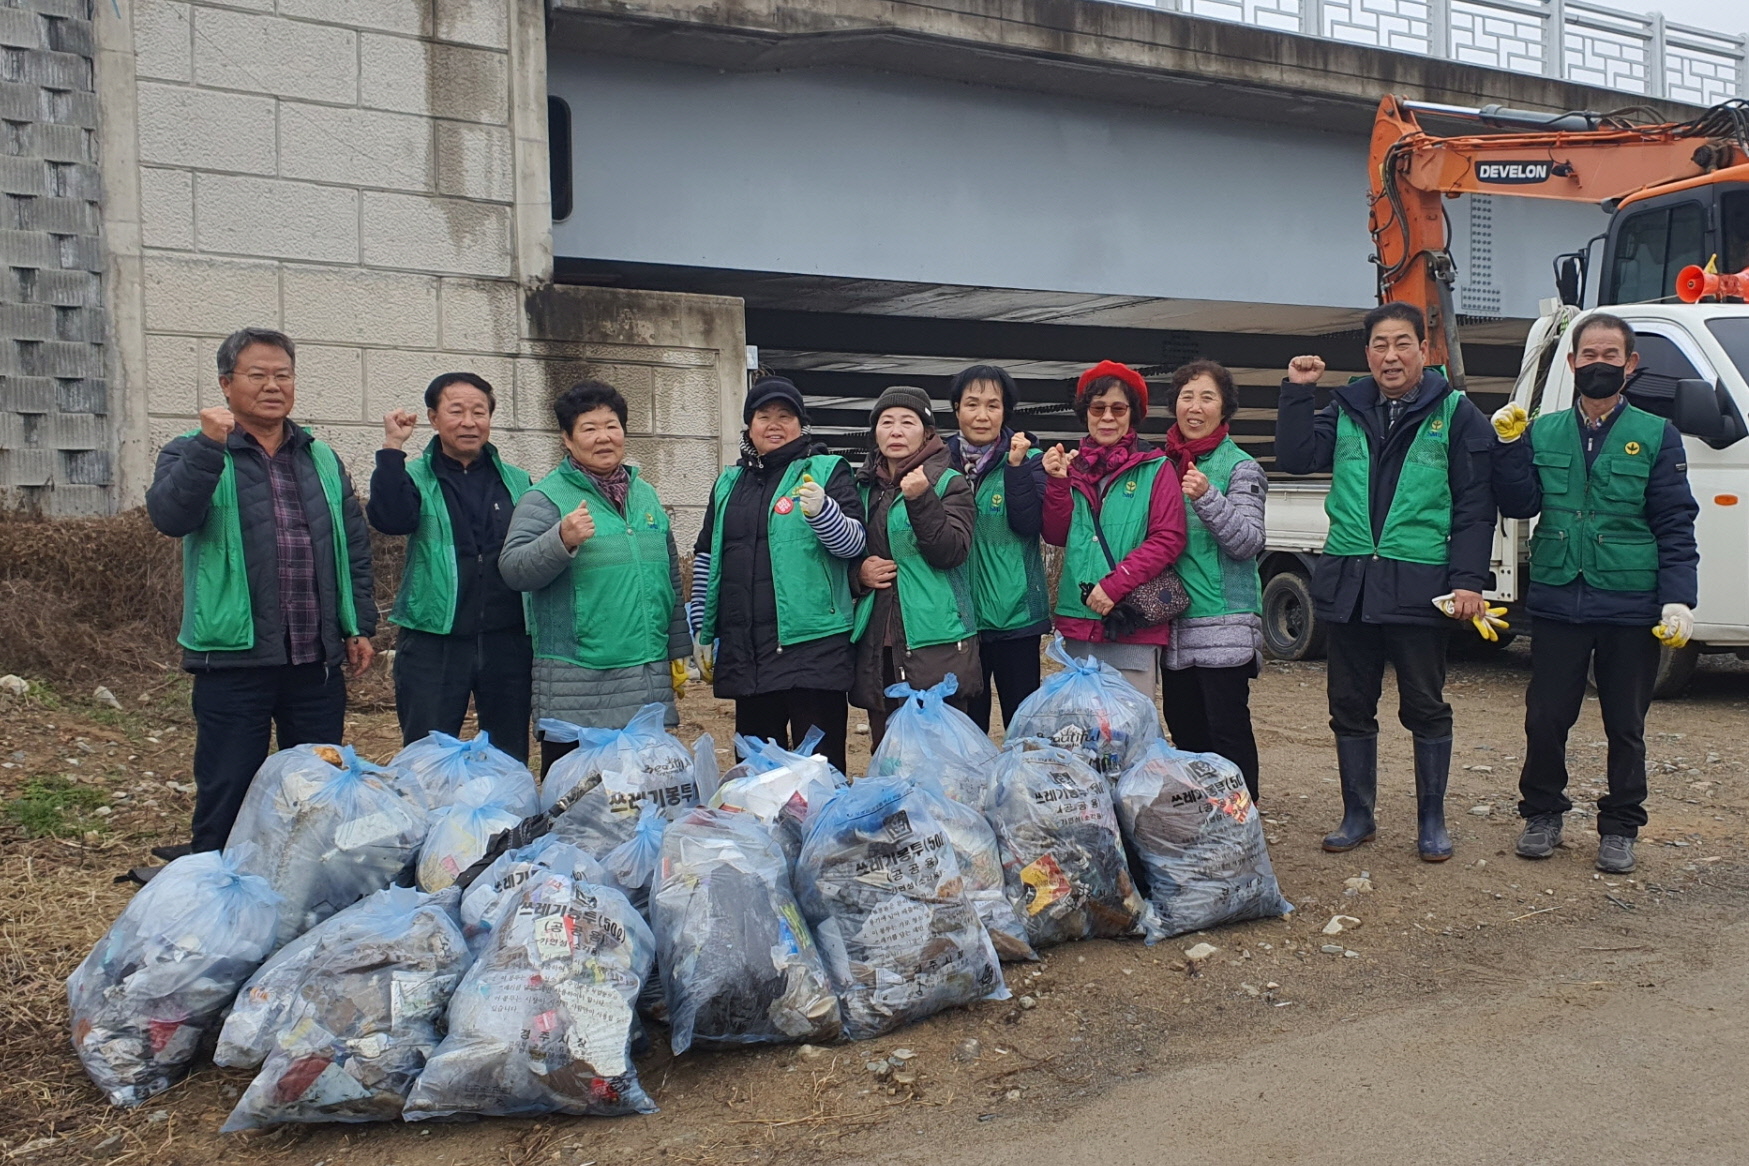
{"x":1675,"y":670}
{"x":1290,"y":630}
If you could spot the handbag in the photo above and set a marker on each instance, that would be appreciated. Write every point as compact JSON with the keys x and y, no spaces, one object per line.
{"x":1161,"y":599}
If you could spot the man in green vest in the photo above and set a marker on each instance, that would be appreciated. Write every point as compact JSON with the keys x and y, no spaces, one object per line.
{"x":1613,"y":574}
{"x":1411,"y":521}
{"x":277,"y":603}
{"x":462,"y":632}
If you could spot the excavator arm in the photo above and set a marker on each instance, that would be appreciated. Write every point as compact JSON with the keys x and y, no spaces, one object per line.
{"x":1576,"y":157}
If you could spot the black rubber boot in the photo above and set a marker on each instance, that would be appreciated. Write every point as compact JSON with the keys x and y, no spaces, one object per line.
{"x":1432,"y":772}
{"x":1357,"y":760}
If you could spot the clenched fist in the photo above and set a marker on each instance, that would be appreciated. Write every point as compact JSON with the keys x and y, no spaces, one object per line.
{"x":1305,"y":370}
{"x":217,"y":423}
{"x":1057,"y":461}
{"x":878,"y":573}
{"x":398,"y":427}
{"x":1195,"y":483}
{"x":577,"y":527}
{"x":915,"y":484}
{"x":1017,"y":449}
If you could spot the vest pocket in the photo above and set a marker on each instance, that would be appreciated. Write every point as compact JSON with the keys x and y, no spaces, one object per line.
{"x":1553,"y":469}
{"x":1548,"y":548}
{"x":1625,"y":561}
{"x":1625,"y":478}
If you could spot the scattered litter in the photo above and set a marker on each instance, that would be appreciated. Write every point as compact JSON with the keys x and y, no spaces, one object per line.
{"x":14,"y":685}
{"x":102,"y":695}
{"x":1201,"y":951}
{"x":1340,"y":923}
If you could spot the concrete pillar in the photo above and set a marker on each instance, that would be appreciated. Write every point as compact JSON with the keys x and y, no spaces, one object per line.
{"x":1555,"y":40}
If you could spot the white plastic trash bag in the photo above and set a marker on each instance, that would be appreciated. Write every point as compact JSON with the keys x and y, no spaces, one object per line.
{"x":161,"y":976}
{"x":738,"y":963}
{"x":366,"y":1013}
{"x":653,"y":759}
{"x":543,"y":1020}
{"x":1089,"y":709}
{"x":928,"y":735}
{"x":496,"y":887}
{"x":325,"y":829}
{"x":461,"y":831}
{"x":440,"y":764}
{"x":1192,"y":824}
{"x":1061,"y":848}
{"x":779,"y":788}
{"x":880,"y":885}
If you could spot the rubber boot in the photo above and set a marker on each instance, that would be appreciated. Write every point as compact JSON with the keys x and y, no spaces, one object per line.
{"x":1357,"y":760}
{"x":1432,"y":772}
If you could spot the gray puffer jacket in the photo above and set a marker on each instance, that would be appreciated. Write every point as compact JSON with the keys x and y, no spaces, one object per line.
{"x":533,"y":558}
{"x":1235,"y":518}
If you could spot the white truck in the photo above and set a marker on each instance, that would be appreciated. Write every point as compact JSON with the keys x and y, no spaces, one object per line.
{"x":1694,"y":361}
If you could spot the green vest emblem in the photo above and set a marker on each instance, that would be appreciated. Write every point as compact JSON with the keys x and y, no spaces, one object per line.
{"x":1593,"y":522}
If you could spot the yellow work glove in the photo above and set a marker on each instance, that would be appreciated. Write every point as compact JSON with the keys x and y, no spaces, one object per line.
{"x":1675,"y":626}
{"x":1488,"y":625}
{"x":677,"y":676}
{"x":812,"y":496}
{"x":1510,"y":422}
{"x":704,"y":658}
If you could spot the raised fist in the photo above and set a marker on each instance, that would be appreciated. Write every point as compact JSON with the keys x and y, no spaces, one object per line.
{"x":1305,"y":370}
{"x":217,"y":423}
{"x":398,"y":427}
{"x":1017,"y":449}
{"x":577,"y":527}
{"x":1057,"y":461}
{"x":915,"y":484}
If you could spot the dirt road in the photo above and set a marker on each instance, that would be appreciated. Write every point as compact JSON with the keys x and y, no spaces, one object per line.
{"x":1492,"y":1010}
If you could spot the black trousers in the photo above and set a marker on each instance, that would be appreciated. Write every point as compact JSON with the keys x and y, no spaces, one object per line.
{"x":1561,"y":657}
{"x":786,"y":717}
{"x":1208,"y":710}
{"x":435,"y":676}
{"x":1012,"y":666}
{"x":235,"y":712}
{"x":1358,"y":655}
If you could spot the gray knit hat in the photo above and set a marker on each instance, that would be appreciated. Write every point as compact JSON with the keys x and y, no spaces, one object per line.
{"x":904,"y":397}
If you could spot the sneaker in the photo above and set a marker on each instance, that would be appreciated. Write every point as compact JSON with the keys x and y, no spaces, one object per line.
{"x":1542,"y":834}
{"x":1615,"y":854}
{"x":172,"y":853}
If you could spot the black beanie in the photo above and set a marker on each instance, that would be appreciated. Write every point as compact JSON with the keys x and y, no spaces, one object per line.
{"x":904,"y":397}
{"x":768,"y":389}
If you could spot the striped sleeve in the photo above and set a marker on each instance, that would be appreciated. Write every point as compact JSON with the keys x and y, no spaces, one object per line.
{"x":841,"y":535}
{"x":701,"y":581}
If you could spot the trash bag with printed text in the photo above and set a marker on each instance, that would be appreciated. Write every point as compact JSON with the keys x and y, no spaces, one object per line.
{"x":1192,"y":824}
{"x":1089,"y":709}
{"x":486,"y":896}
{"x":160,"y":978}
{"x":928,"y":735}
{"x":646,"y":753}
{"x":980,"y":859}
{"x":601,"y":811}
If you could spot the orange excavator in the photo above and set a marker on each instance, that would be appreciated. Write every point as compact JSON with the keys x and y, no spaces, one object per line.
{"x":1678,"y":193}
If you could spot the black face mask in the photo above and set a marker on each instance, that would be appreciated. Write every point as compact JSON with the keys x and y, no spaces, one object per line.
{"x":1599,"y":380}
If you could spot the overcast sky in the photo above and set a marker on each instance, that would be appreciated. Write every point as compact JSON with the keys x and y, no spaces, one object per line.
{"x":1719,"y":15}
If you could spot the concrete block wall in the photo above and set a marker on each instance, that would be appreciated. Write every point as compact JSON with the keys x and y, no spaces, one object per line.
{"x":371,"y":177}
{"x":55,"y":438}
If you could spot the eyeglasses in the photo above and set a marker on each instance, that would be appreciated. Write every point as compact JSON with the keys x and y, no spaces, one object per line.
{"x":260,"y":379}
{"x":1113,"y":410}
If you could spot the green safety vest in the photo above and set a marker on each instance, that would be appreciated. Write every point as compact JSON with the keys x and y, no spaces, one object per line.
{"x":1593,"y":522}
{"x":1123,"y":515}
{"x":1218,"y":583}
{"x":612,"y":605}
{"x":427,"y":598}
{"x":937,"y":605}
{"x":813,"y":588}
{"x":1008,"y":571}
{"x":1418,"y":524}
{"x":218,"y":613}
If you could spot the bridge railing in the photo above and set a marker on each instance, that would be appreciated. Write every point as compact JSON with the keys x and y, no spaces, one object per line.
{"x":1576,"y":40}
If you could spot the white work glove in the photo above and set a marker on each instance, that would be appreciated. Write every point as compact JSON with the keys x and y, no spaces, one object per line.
{"x":1510,"y":421}
{"x":1488,"y":625}
{"x":704,"y":658}
{"x":812,"y":496}
{"x":1675,"y":626}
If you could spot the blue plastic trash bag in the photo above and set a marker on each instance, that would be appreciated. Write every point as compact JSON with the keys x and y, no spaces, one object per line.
{"x":1061,"y":848}
{"x":162,"y":975}
{"x":1190,"y":821}
{"x":739,"y":965}
{"x":461,"y":831}
{"x":325,"y":829}
{"x":980,"y":859}
{"x":607,"y":788}
{"x":780,"y":788}
{"x":879,"y":883}
{"x":543,"y":1020}
{"x":440,"y":764}
{"x":928,"y":735}
{"x":486,"y":897}
{"x":1091,"y":710}
{"x":366,"y":1013}
{"x":652,"y":758}
{"x":632,"y":864}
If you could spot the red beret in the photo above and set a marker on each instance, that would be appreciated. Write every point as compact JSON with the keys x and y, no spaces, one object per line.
{"x":1123,"y":372}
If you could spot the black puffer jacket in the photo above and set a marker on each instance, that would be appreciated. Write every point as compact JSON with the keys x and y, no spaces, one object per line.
{"x":750,"y":661}
{"x":182,"y":490}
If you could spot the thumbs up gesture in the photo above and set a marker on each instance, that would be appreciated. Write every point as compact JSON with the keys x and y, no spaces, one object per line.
{"x":577,"y":528}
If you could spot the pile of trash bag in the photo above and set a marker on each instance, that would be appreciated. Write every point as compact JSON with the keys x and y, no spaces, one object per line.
{"x":779,"y":787}
{"x":738,"y":963}
{"x":879,"y":883}
{"x":366,"y":1012}
{"x":1089,"y":709}
{"x":325,"y":829}
{"x":158,"y":981}
{"x":484,"y":896}
{"x":1192,"y":824}
{"x":1062,"y":850}
{"x":980,"y":859}
{"x":440,"y":764}
{"x":928,"y":735}
{"x":461,"y":829}
{"x":544,"y":1018}
{"x":655,"y":762}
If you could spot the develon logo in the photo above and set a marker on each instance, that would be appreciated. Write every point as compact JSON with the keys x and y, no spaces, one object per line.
{"x":1512,"y":173}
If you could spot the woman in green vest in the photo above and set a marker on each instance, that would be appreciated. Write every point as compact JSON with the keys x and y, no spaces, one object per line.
{"x":771,"y":577}
{"x":1008,"y":570}
{"x":592,"y":545}
{"x":1117,"y":482}
{"x":1217,"y":645}
{"x":914,"y":617}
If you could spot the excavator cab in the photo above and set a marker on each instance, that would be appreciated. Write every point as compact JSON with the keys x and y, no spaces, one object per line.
{"x":1656,"y":233}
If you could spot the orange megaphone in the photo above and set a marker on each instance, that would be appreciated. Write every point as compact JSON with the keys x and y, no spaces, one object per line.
{"x":1695,"y":283}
